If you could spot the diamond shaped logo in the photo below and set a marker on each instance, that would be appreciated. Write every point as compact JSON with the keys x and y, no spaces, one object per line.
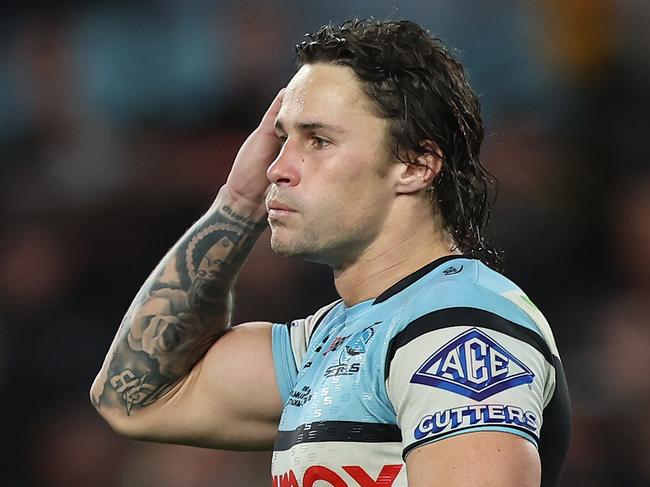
{"x":473,"y":365}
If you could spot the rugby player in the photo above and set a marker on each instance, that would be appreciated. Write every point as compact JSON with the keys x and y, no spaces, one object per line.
{"x":432,"y":369}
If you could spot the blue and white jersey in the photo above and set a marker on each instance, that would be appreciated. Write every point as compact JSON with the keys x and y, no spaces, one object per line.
{"x":451,"y":349}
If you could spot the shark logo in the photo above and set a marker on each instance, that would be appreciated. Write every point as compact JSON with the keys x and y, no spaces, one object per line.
{"x":357,"y":343}
{"x":350,"y":359}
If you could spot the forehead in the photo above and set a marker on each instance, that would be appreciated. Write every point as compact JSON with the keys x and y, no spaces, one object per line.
{"x":327,"y":93}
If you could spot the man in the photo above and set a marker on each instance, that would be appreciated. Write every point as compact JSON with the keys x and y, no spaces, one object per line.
{"x":432,"y":369}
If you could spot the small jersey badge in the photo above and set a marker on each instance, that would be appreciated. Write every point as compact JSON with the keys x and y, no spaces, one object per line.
{"x":473,"y":365}
{"x":349,"y":361}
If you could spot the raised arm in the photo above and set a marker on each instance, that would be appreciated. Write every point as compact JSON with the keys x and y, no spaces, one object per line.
{"x":174,"y":370}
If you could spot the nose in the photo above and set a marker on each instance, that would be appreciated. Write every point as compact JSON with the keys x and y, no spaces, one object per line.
{"x":284,"y":170}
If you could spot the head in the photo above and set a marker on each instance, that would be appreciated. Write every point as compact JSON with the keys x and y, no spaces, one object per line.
{"x":402,"y":98}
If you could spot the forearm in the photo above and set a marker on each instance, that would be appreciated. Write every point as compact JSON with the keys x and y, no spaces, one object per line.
{"x":181,"y":309}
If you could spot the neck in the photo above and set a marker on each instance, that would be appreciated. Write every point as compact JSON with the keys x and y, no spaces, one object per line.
{"x":391,"y":257}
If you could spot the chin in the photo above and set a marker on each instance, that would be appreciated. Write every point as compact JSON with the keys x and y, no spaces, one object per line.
{"x":308,"y":246}
{"x":291,"y":248}
{"x":281,"y":245}
{"x":286,"y":249}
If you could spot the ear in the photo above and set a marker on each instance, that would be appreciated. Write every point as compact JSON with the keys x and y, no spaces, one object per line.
{"x":418,"y":174}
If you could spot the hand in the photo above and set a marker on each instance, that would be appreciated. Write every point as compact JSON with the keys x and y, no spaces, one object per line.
{"x":247,"y":179}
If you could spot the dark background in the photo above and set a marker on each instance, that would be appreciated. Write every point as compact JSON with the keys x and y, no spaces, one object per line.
{"x":119,"y":121}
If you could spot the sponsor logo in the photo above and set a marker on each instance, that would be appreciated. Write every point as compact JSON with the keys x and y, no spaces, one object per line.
{"x":320,"y":476}
{"x":449,"y":420}
{"x":342,"y":369}
{"x":300,"y":398}
{"x":348,"y":362}
{"x":473,"y":365}
{"x":452,"y":270}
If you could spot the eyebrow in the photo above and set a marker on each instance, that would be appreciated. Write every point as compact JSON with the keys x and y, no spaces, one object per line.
{"x":309,"y":126}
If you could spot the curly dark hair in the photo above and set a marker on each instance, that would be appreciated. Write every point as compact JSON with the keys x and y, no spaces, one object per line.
{"x":417,"y":84}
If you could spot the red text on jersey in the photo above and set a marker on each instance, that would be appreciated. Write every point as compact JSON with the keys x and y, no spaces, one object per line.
{"x":386,"y":477}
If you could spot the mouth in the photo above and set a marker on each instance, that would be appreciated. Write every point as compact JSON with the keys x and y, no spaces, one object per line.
{"x":277,"y":210}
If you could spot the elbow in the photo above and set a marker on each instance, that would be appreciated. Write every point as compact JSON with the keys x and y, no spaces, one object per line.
{"x":136,"y":425}
{"x":119,"y":421}
{"x":124,"y":428}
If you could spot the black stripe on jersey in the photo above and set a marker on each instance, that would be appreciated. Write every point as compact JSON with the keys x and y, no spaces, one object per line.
{"x":440,"y":436}
{"x":411,"y":278}
{"x":448,"y":317}
{"x":556,"y":430}
{"x":348,"y":431}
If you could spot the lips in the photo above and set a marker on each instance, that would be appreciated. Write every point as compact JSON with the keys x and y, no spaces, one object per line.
{"x":276,"y":205}
{"x":278,"y":210}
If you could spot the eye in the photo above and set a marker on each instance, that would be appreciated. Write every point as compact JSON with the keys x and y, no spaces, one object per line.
{"x":319,"y":142}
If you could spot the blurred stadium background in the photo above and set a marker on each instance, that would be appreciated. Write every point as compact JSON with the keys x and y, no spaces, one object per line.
{"x":119,"y":121}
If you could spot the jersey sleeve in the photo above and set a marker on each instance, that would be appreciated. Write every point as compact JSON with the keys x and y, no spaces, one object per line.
{"x":289,"y":344}
{"x":460,"y":370}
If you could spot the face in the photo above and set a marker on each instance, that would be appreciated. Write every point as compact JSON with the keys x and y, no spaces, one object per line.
{"x":331,"y":186}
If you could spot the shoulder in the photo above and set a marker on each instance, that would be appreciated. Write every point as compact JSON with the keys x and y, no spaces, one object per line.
{"x":468,"y":292}
{"x":470,"y":305}
{"x":471,"y":352}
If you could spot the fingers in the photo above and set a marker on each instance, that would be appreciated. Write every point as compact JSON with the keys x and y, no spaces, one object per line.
{"x":268,"y":120}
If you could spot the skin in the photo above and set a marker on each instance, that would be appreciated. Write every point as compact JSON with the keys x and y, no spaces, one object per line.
{"x":357,"y":209}
{"x":488,"y":459}
{"x":325,"y":174}
{"x":317,"y":169}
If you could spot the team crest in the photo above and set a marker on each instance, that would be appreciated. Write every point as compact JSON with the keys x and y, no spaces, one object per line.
{"x":357,"y":344}
{"x":473,"y":365}
{"x":350,"y":358}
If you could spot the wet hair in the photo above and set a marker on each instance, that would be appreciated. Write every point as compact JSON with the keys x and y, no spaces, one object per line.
{"x":414,"y":81}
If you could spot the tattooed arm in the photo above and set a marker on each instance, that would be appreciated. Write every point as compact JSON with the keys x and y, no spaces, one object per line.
{"x":174,"y":371}
{"x":180,"y":311}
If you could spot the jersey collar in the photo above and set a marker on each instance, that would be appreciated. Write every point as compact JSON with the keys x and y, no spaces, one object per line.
{"x":411,"y":278}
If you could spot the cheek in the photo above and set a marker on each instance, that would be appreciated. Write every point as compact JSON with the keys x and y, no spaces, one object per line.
{"x":349,"y":204}
{"x":347,"y":183}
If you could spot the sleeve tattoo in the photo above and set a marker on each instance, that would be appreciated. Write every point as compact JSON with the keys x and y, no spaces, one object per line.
{"x":182,"y":308}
